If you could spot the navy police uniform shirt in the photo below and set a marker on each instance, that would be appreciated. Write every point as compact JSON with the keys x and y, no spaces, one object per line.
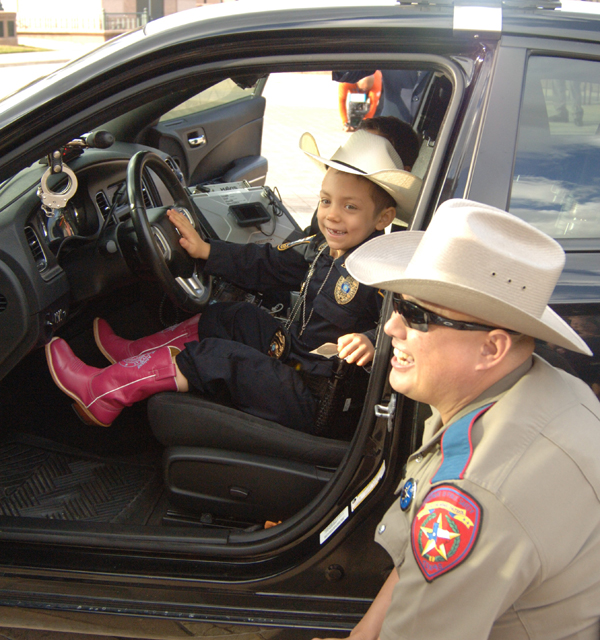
{"x":335,"y":302}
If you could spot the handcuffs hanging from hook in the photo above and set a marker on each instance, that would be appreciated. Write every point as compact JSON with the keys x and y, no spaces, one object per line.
{"x":53,"y":202}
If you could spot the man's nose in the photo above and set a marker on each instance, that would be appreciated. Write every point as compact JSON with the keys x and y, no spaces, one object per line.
{"x":395,"y":326}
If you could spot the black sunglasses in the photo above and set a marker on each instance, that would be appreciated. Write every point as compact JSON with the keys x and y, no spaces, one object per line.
{"x":419,"y":318}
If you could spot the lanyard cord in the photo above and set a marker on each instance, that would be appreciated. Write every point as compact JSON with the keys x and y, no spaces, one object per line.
{"x":304,"y":291}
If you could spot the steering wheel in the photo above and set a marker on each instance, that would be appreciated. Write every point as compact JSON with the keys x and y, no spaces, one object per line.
{"x":179,"y":275}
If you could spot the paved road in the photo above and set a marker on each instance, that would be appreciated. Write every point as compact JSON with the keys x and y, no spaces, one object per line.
{"x":295,"y":103}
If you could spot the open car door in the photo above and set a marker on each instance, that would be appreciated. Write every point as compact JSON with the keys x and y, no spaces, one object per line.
{"x":216,"y":135}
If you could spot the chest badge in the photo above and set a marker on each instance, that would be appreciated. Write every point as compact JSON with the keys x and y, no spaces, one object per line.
{"x":407,"y":493}
{"x":345,"y":289}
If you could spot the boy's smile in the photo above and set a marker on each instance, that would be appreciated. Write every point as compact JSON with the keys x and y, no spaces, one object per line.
{"x":346,"y":213}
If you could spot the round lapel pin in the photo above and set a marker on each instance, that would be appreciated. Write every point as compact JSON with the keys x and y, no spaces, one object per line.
{"x":407,"y":493}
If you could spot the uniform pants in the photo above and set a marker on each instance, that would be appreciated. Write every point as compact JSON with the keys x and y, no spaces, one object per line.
{"x":230,"y":364}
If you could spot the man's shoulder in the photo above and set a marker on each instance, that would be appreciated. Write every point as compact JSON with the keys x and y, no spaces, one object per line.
{"x":561,"y":391}
{"x":549,"y":416}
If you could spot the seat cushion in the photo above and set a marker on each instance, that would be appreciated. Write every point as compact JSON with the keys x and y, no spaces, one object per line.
{"x":187,"y":419}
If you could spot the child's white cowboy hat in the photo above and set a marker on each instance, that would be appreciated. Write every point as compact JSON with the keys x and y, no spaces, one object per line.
{"x":373,"y":157}
{"x":477,"y":260}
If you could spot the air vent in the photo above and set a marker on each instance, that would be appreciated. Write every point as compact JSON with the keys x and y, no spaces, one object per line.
{"x":103,"y":204}
{"x":3,"y":302}
{"x":175,"y":168}
{"x":146,"y":195}
{"x":36,"y":249}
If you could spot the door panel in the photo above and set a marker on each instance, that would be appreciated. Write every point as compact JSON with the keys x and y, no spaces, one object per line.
{"x":218,"y":144}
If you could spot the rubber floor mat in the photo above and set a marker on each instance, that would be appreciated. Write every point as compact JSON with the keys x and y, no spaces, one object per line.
{"x":47,"y":482}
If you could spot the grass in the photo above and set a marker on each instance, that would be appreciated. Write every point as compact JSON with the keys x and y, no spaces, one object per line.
{"x":18,"y":49}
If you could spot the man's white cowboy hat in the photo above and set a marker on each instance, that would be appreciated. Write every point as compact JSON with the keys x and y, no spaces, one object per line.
{"x":477,"y":260}
{"x":373,"y":157}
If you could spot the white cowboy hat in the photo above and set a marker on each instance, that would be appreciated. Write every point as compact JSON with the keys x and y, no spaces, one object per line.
{"x":477,"y":260}
{"x":371,"y":156}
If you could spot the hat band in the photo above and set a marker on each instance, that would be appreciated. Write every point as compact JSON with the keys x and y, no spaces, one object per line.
{"x":345,"y":164}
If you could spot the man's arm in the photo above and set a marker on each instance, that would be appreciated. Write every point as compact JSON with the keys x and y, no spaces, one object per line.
{"x":370,"y":625}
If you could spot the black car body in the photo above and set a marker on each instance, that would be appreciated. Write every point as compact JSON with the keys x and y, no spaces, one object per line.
{"x":494,"y":131}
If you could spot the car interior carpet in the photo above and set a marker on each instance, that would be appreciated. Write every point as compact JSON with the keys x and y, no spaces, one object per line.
{"x":40,"y":479}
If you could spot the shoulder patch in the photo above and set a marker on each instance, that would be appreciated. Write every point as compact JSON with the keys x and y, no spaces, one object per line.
{"x":288,"y":245}
{"x":444,"y":530}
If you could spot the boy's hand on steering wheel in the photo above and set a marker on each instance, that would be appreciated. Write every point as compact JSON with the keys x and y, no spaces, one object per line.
{"x":190,"y":239}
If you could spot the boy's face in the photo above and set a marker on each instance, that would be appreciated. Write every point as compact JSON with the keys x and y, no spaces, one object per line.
{"x":346,"y":213}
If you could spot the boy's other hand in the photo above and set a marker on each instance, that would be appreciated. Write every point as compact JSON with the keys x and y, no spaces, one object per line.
{"x":356,"y":348}
{"x":190,"y":239}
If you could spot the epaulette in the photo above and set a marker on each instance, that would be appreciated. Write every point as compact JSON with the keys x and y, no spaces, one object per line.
{"x":288,"y":245}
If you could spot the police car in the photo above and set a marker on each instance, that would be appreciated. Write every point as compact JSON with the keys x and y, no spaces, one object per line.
{"x":152,"y":518}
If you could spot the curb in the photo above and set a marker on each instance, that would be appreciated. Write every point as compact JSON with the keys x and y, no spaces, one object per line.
{"x":27,"y":62}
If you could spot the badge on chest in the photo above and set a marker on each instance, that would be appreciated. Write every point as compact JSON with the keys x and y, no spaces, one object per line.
{"x":345,"y":289}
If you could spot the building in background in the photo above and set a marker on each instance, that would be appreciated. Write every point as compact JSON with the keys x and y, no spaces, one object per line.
{"x":90,"y":20}
{"x":8,"y":27}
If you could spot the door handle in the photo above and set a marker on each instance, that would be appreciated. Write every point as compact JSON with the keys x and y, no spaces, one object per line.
{"x":196,"y":140}
{"x":387,"y":411}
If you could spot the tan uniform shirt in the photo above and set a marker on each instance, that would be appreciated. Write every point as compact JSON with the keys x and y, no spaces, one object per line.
{"x":532,"y":569}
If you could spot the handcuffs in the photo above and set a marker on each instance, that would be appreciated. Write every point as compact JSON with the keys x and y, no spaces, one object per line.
{"x":53,"y":202}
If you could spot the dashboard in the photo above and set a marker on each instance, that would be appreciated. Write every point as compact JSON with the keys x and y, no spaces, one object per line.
{"x":52,"y":260}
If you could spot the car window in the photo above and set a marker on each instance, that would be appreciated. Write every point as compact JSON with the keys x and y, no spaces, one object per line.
{"x":556,"y":183}
{"x":222,"y":93}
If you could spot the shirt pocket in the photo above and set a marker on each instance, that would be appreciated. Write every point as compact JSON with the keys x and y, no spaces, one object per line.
{"x":334,"y":313}
{"x":351,"y":317}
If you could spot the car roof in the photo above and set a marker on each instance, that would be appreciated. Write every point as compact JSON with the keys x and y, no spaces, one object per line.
{"x":555,"y":14}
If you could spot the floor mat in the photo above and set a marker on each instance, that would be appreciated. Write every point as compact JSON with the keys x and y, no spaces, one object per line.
{"x":42,"y":480}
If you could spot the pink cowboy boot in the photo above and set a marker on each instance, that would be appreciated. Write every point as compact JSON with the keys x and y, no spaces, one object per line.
{"x":116,"y":349}
{"x":101,"y":394}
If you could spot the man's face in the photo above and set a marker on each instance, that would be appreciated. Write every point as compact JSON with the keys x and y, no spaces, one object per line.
{"x":436,"y":367}
{"x":346,"y":212}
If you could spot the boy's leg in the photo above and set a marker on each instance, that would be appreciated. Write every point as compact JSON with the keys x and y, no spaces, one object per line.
{"x":239,"y":321}
{"x":251,"y":381}
{"x":115,"y":348}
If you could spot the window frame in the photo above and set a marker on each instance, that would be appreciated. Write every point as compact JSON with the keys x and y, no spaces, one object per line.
{"x":491,"y":176}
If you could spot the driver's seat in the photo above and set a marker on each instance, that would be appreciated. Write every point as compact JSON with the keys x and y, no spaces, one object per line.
{"x":227,"y":463}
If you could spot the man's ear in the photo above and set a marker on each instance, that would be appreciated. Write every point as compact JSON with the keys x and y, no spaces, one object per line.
{"x":385,"y":218}
{"x":494,"y":349}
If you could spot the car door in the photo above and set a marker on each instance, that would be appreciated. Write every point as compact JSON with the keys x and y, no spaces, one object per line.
{"x":538,"y":159}
{"x":215,"y":136}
